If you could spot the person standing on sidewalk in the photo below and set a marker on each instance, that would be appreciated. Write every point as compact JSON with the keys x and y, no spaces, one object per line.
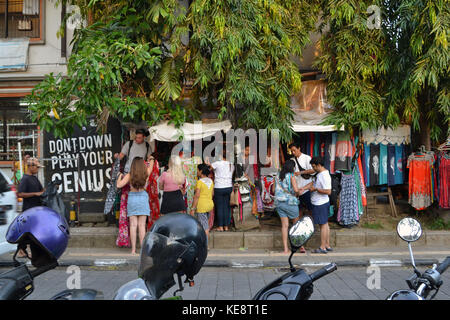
{"x":138,"y":207}
{"x":320,"y":190}
{"x":303,"y":170}
{"x":131,"y":149}
{"x":135,"y":148}
{"x":286,"y":200}
{"x":203,"y":198}
{"x":223,"y":186}
{"x":173,"y":183}
{"x":30,"y":188}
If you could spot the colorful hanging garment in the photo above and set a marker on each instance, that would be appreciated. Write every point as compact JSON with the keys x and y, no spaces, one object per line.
{"x":333,"y":152}
{"x":391,"y":163}
{"x":152,"y":190}
{"x":361,"y":181}
{"x":444,"y":181}
{"x":399,"y":168}
{"x":420,"y":180}
{"x":123,"y":238}
{"x":374,"y":164}
{"x":383,"y":164}
{"x":367,"y":151}
{"x":343,"y":152}
{"x":190,"y":171}
{"x":348,"y":213}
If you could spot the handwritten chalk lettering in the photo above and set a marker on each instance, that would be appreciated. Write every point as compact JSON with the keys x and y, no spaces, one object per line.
{"x":90,"y":180}
{"x":71,"y":145}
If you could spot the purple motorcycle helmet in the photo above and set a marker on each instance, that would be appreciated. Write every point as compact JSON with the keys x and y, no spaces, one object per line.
{"x":44,"y":230}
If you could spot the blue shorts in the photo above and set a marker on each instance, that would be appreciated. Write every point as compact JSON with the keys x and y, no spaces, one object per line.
{"x":320,"y":213}
{"x":287,"y":211}
{"x":138,"y":204}
{"x":305,"y":201}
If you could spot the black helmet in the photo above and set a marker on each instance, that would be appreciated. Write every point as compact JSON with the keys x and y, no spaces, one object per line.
{"x":177,"y":244}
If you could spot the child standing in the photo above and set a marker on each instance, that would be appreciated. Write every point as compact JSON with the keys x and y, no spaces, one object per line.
{"x":138,"y":208}
{"x":203,"y":198}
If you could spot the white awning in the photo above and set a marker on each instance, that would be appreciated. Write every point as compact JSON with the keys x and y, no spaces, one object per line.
{"x":188,"y":131}
{"x":299,"y":127}
{"x":13,"y":54}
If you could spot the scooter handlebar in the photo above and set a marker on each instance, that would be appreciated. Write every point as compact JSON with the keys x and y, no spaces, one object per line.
{"x":443,"y":266}
{"x":323,"y":272}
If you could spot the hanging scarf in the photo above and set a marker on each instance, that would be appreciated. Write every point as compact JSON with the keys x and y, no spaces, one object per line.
{"x":152,"y":190}
{"x":112,"y":192}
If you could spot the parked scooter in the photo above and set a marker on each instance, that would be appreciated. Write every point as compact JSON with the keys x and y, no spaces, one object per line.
{"x":46,"y":233}
{"x":420,"y":284}
{"x":296,"y":284}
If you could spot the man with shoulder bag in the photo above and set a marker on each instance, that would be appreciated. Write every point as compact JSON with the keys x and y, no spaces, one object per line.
{"x":135,"y":148}
{"x":303,"y":174}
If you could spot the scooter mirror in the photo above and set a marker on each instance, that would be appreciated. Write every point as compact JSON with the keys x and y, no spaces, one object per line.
{"x":409,"y":229}
{"x":300,"y":232}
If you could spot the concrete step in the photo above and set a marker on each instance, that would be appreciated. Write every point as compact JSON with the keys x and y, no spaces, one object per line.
{"x":84,"y":237}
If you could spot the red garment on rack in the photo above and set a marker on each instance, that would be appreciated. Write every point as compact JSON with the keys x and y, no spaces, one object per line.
{"x":420,"y":173}
{"x":444,"y":181}
{"x":152,"y":190}
{"x":123,"y":238}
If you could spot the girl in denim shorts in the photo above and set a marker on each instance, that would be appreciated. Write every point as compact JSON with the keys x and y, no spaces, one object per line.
{"x":138,"y":207}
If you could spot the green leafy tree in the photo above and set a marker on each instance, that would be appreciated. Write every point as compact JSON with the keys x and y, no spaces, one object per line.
{"x":142,"y":59}
{"x":355,"y":61}
{"x":419,"y":65}
{"x":397,"y":73}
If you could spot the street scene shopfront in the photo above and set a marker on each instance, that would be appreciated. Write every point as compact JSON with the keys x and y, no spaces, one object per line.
{"x":145,"y":143}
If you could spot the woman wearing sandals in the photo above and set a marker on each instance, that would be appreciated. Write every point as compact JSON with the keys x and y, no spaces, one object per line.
{"x":223,"y":186}
{"x":286,"y":201}
{"x":138,"y":208}
{"x":320,"y":190}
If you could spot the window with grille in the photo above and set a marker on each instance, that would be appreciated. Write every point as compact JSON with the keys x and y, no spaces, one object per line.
{"x":20,"y":18}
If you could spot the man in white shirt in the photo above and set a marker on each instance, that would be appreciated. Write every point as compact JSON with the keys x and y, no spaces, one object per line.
{"x":320,"y":189}
{"x":302,"y":169}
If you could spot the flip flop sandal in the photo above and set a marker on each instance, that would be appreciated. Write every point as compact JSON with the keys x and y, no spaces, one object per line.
{"x":319,"y":250}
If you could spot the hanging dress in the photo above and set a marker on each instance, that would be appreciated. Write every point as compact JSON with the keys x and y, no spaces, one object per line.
{"x":123,"y":239}
{"x":420,"y":180}
{"x":348,"y":204}
{"x":190,"y":171}
{"x":444,"y":181}
{"x":152,"y":190}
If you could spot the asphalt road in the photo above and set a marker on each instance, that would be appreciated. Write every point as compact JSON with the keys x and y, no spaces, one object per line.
{"x":241,"y":284}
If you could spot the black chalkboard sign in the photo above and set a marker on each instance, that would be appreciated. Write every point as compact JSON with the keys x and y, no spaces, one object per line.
{"x":95,"y":151}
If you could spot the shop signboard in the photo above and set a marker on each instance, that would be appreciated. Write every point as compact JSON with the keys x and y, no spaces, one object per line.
{"x":83,"y":162}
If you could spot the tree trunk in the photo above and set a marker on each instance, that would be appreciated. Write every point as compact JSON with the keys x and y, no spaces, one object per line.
{"x":425,"y":132}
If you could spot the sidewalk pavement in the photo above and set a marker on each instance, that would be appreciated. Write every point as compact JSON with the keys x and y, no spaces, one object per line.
{"x":120,"y":258}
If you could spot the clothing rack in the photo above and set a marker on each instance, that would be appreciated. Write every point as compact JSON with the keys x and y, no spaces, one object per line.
{"x":445,"y":146}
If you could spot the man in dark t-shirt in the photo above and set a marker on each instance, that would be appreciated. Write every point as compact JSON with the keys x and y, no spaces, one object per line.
{"x":30,"y":189}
